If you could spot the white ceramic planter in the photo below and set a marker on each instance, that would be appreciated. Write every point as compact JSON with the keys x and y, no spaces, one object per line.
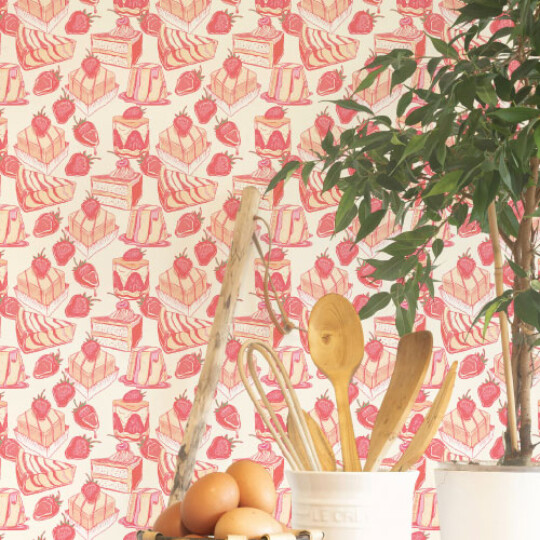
{"x":353,"y":505}
{"x":477,"y":502}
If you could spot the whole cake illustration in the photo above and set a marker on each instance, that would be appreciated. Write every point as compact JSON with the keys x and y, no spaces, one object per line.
{"x":326,"y":14}
{"x":183,"y":287}
{"x":12,"y":372}
{"x":131,"y":133}
{"x":178,"y":49}
{"x":222,"y":222}
{"x":41,"y":145}
{"x":12,"y":230}
{"x":146,"y":85}
{"x":183,"y":145}
{"x":42,"y":14}
{"x":233,"y":85}
{"x":36,"y":474}
{"x":407,"y":36}
{"x":120,"y":47}
{"x":36,"y":48}
{"x":319,"y":48}
{"x":91,"y":369}
{"x":91,"y":86}
{"x":41,"y":287}
{"x":146,"y":368}
{"x":121,"y":472}
{"x":41,"y":428}
{"x":121,"y":330}
{"x":184,"y":14}
{"x":273,"y":134}
{"x":310,"y":146}
{"x":380,"y":93}
{"x":36,"y":190}
{"x":121,"y":188}
{"x":130,"y":417}
{"x":259,"y":178}
{"x":279,"y":274}
{"x":262,"y":47}
{"x":12,"y":516}
{"x":91,"y":227}
{"x":130,"y":275}
{"x":146,"y":227}
{"x":144,"y":506}
{"x":373,"y":375}
{"x":92,"y":510}
{"x":288,"y":85}
{"x":12,"y":90}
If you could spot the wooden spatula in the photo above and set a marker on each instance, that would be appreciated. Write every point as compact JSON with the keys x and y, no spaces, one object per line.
{"x":412,"y":362}
{"x":336,"y":343}
{"x":430,"y":425}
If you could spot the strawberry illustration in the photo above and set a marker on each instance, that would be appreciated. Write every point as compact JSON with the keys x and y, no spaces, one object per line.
{"x":497,"y":450}
{"x":472,"y":365}
{"x":374,"y":349}
{"x":205,"y":250}
{"x":292,"y":24}
{"x":150,"y":165}
{"x":90,"y":348}
{"x":9,"y":24}
{"x":182,"y":123}
{"x":63,"y":108}
{"x":9,"y":165}
{"x":86,"y":133}
{"x":324,"y":265}
{"x":85,"y":274}
{"x":79,"y":447}
{"x":325,"y":228}
{"x":212,"y":307}
{"x":502,"y":21}
{"x":41,"y":265}
{"x":79,"y":164}
{"x":47,"y":507}
{"x":40,"y":123}
{"x":41,"y":406}
{"x":86,"y":416}
{"x":434,"y":308}
{"x":362,"y":446}
{"x":232,"y":65}
{"x":227,"y":416}
{"x":353,"y":391}
{"x":189,"y":82}
{"x":63,"y":391}
{"x":64,"y":530}
{"x":150,"y":24}
{"x":227,"y":132}
{"x":359,"y":301}
{"x":182,"y":406}
{"x":9,"y":449}
{"x":188,"y":224}
{"x":330,"y":82}
{"x":90,"y":206}
{"x":485,"y":252}
{"x":182,"y":265}
{"x":469,"y":228}
{"x":503,"y":414}
{"x":150,"y":307}
{"x":150,"y":448}
{"x":362,"y":23}
{"x":79,"y":306}
{"x":79,"y":22}
{"x":346,"y":251}
{"x":489,"y":392}
{"x":90,"y":490}
{"x":324,"y":123}
{"x":188,"y":365}
{"x":293,"y":307}
{"x":219,"y":270}
{"x":221,"y":447}
{"x":47,"y":365}
{"x":345,"y":115}
{"x":47,"y":82}
{"x":221,"y":23}
{"x":508,"y":275}
{"x":466,"y":406}
{"x":90,"y":66}
{"x":133,"y":396}
{"x":231,"y":207}
{"x":221,"y":164}
{"x":47,"y":224}
{"x":205,"y":108}
{"x":63,"y":250}
{"x":9,"y":307}
{"x":435,"y":25}
{"x":232,"y":349}
{"x":363,"y":273}
{"x":324,"y":407}
{"x":366,"y":414}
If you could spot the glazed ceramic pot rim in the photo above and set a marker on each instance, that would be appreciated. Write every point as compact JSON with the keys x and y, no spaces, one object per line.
{"x":486,"y":466}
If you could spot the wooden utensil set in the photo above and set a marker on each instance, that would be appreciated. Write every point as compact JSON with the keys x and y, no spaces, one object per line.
{"x":336,"y":343}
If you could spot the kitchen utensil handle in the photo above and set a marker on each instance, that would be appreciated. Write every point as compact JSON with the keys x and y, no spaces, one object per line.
{"x":244,"y":228}
{"x":349,"y":453}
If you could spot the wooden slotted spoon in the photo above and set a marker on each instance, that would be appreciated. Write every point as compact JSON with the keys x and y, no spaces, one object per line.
{"x":412,"y":362}
{"x":430,"y":425}
{"x":336,"y":343}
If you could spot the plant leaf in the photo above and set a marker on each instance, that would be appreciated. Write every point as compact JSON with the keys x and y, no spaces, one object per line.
{"x":352,"y":105}
{"x":370,"y":223}
{"x":346,"y":210}
{"x":447,"y":183}
{"x":444,"y":48}
{"x":375,"y":303}
{"x":332,"y":176}
{"x":437,"y":247}
{"x":284,"y":174}
{"x":515,"y":114}
{"x":306,"y":171}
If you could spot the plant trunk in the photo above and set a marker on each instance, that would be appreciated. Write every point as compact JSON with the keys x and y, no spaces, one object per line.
{"x":523,"y":334}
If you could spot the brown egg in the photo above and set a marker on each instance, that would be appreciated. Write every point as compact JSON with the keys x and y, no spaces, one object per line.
{"x":207,"y":500}
{"x":250,"y":522}
{"x":257,"y":488}
{"x":169,"y":522}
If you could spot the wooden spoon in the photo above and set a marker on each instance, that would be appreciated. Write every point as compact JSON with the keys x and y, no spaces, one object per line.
{"x":322,"y":446}
{"x":430,"y":425}
{"x":336,"y":343}
{"x":412,"y":362}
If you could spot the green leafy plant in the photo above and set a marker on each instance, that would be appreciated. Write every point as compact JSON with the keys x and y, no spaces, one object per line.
{"x":470,"y":151}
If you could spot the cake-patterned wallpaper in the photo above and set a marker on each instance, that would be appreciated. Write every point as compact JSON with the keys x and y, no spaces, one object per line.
{"x":127,"y":133}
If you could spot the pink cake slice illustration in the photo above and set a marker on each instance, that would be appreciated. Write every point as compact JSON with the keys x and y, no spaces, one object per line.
{"x":310,"y":146}
{"x":178,"y":49}
{"x":36,"y":48}
{"x":326,"y":14}
{"x":407,"y":36}
{"x":121,"y":472}
{"x":438,"y":370}
{"x":146,"y":227}
{"x":12,"y":231}
{"x":273,"y":134}
{"x":178,"y":332}
{"x":386,"y":330}
{"x":325,"y":414}
{"x":146,"y":369}
{"x":3,"y":416}
{"x":12,"y":516}
{"x":288,"y":227}
{"x":42,"y":14}
{"x":12,"y":90}
{"x":131,"y":277}
{"x":312,"y":196}
{"x":373,"y":375}
{"x":3,"y":275}
{"x":35,"y":332}
{"x":259,"y":178}
{"x":167,"y":470}
{"x":184,"y":14}
{"x":320,"y":49}
{"x":36,"y":190}
{"x":425,"y":515}
{"x":131,"y":133}
{"x":144,"y":506}
{"x":257,"y":326}
{"x":222,"y":223}
{"x":12,"y":373}
{"x":288,"y":85}
{"x":279,"y":274}
{"x":230,"y":383}
{"x":146,"y":85}
{"x":131,"y":417}
{"x":178,"y":191}
{"x":295,"y":363}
